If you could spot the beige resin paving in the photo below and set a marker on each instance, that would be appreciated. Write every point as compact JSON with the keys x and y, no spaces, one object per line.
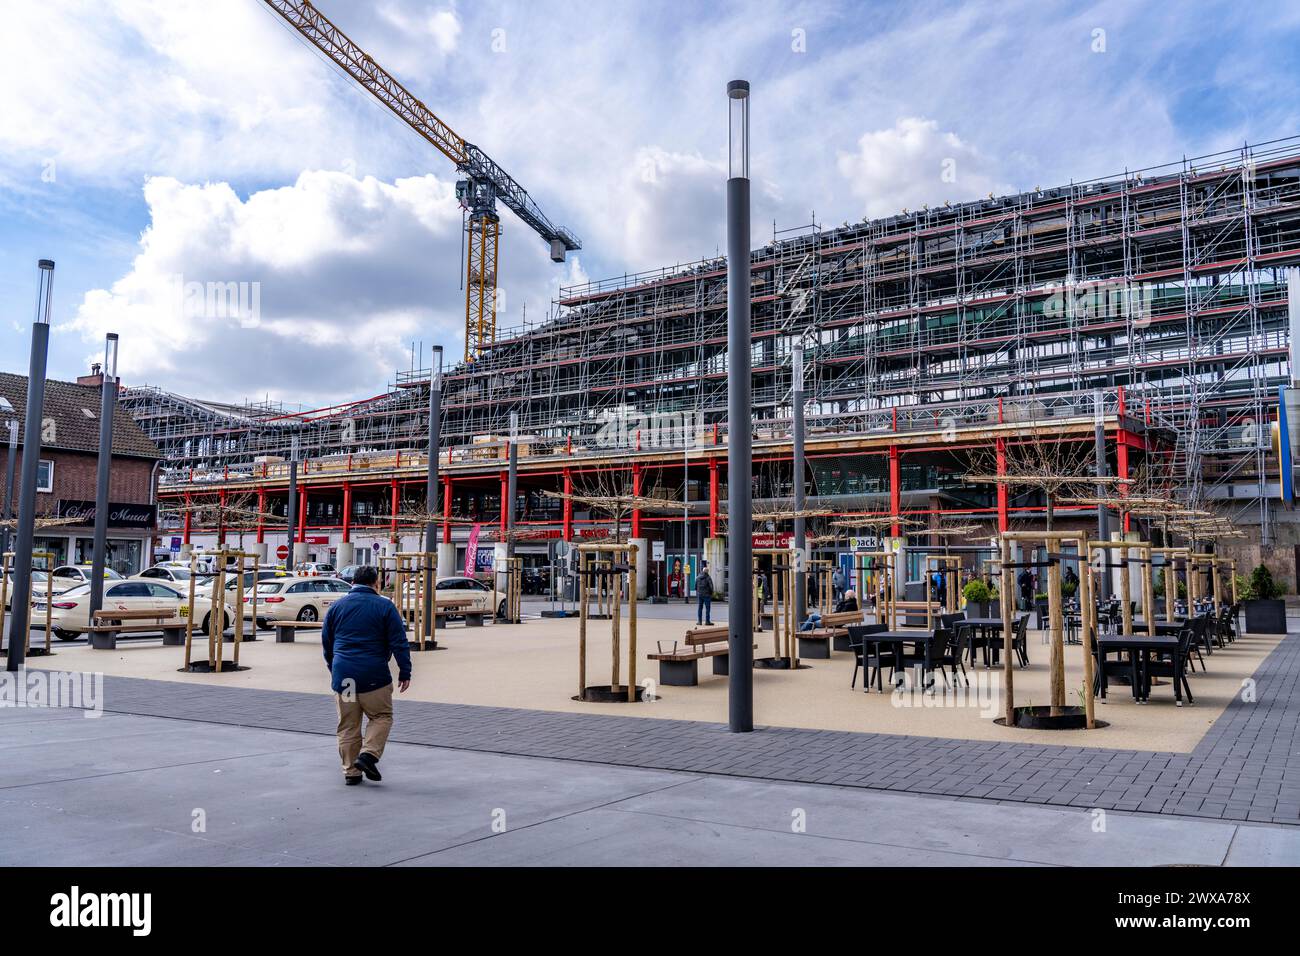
{"x":534,"y":665}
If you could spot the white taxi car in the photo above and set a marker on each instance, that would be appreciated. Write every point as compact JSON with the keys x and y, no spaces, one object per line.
{"x":70,"y":611}
{"x":70,"y":575}
{"x":296,"y":598}
{"x":38,"y":586}
{"x":486,"y":598}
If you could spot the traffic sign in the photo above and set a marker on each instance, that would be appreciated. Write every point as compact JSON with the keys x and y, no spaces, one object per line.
{"x":282,"y":552}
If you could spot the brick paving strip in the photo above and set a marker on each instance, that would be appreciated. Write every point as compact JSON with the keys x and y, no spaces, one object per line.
{"x":1247,"y":767}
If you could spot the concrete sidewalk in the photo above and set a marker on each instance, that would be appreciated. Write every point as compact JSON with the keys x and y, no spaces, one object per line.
{"x":128,"y":790}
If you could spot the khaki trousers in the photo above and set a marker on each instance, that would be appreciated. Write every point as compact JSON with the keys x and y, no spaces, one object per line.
{"x":377,"y":706}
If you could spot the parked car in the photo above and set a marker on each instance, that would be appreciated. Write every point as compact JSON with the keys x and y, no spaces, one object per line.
{"x":70,"y":575}
{"x":486,"y":597}
{"x":297,"y":598}
{"x":314,"y":569}
{"x":232,"y":579}
{"x":169,"y":573}
{"x":38,"y":587}
{"x":70,"y":611}
{"x":348,"y":572}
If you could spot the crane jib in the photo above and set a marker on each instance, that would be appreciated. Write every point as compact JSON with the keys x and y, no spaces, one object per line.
{"x":488,"y":181}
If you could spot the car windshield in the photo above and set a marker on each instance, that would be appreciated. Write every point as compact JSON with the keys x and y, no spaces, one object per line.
{"x":269,"y":587}
{"x":74,"y":591}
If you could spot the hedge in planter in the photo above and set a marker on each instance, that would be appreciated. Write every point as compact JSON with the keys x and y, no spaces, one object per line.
{"x":1263,"y":604}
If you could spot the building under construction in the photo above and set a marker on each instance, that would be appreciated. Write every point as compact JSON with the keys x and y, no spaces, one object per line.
{"x":938,"y":342}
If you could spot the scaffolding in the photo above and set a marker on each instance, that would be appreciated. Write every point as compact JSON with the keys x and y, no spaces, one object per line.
{"x":1163,"y":284}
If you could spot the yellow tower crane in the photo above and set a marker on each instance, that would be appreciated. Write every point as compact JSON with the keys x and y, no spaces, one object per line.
{"x":484,"y":181}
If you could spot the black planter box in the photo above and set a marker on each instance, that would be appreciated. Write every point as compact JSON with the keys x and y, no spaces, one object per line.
{"x":1265,"y":617}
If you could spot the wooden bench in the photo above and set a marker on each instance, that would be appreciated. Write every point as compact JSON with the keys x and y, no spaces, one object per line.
{"x":106,"y":625}
{"x":287,"y":631}
{"x":458,"y":607}
{"x":833,"y":634}
{"x":679,"y":667}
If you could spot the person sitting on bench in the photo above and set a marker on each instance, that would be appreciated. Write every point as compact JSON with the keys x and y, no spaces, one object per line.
{"x":847,"y":603}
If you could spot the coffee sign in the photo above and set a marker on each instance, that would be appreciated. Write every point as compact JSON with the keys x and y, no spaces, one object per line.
{"x":119,"y":515}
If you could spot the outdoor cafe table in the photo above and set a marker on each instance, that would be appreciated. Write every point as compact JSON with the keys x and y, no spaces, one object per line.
{"x":896,"y":639}
{"x":1139,"y":648}
{"x":1162,"y":626}
{"x":989,"y":625}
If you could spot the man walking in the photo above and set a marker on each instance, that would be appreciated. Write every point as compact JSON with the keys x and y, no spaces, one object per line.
{"x":704,"y":588}
{"x":360,"y":633}
{"x":837,"y":583}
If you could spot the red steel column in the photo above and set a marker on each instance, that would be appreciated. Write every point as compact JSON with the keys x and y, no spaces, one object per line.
{"x":396,"y":494}
{"x":188,"y":515}
{"x":568,"y":506}
{"x":302,"y":515}
{"x":505,"y":493}
{"x":895,"y":487}
{"x":1003,"y":524}
{"x":347,"y":511}
{"x":221,"y":517}
{"x":713,"y":497}
{"x":261,"y":510}
{"x":636,"y":493}
{"x":446,"y":509}
{"x":1121,"y":467}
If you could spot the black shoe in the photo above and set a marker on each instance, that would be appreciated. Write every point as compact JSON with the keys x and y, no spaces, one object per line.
{"x":369,"y":765}
{"x":708,"y":624}
{"x":353,"y":781}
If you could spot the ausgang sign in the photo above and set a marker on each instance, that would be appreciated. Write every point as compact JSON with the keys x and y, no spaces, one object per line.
{"x":119,"y":515}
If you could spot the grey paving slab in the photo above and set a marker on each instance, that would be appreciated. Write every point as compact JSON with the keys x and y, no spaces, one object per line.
{"x":608,"y":837}
{"x":1247,"y":768}
{"x":944,"y":825}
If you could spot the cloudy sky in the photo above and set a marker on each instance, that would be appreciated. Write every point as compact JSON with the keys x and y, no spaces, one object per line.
{"x":158,"y":149}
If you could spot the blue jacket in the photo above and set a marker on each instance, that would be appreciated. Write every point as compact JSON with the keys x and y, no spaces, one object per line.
{"x":359,"y":634}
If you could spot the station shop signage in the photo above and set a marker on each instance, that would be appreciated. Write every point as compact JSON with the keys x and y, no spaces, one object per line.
{"x":779,"y":540}
{"x":119,"y":515}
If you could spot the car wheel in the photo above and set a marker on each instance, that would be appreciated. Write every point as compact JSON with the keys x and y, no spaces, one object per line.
{"x":207,"y":621}
{"x":501,"y":609}
{"x":308,"y":614}
{"x":66,"y":635}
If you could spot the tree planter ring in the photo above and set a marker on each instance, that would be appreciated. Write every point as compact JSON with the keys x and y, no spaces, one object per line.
{"x":1040,"y":718}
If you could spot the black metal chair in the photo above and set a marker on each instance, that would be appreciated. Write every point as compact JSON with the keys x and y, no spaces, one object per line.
{"x":865,"y":654}
{"x":1174,"y":664}
{"x":1105,"y":668}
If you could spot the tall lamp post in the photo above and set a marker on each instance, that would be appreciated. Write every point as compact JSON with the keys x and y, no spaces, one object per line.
{"x":8,"y":512}
{"x":800,"y":497}
{"x":107,"y":403}
{"x":431,"y":488}
{"x":740,"y":464}
{"x":291,"y":511}
{"x":20,"y":618}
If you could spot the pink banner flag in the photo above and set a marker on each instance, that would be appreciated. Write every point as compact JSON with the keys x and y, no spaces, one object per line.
{"x":471,"y":551}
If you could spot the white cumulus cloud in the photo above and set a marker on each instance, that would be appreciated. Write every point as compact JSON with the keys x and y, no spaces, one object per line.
{"x":915,"y":162}
{"x":311,"y":292}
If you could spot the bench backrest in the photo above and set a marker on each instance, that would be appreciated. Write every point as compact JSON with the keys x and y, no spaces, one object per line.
{"x":841,"y":618}
{"x":698,"y":636}
{"x":139,"y":614}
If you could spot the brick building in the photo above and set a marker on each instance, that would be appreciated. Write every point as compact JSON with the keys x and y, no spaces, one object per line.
{"x":65,"y":505}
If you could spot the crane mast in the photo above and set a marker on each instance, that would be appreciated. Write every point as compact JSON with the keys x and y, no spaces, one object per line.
{"x":484,"y":181}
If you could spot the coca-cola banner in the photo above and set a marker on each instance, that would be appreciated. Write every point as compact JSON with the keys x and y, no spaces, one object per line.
{"x":119,"y":515}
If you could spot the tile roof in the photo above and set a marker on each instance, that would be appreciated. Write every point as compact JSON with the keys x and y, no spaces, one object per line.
{"x":75,"y":410}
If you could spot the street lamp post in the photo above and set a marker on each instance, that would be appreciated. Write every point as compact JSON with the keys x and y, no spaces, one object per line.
{"x":20,"y":618}
{"x":800,"y":527}
{"x":740,"y":465}
{"x":291,"y":511}
{"x":107,"y":403}
{"x":8,"y":513}
{"x":431,"y":488}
